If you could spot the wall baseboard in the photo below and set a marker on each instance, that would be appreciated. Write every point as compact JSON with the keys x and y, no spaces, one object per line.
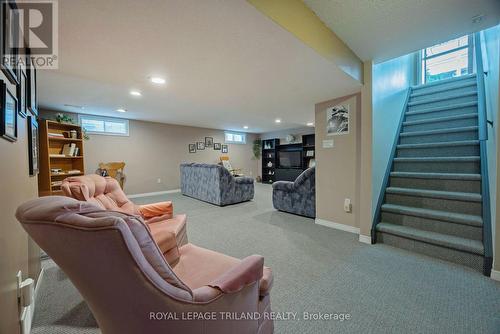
{"x":337,"y":226}
{"x":366,"y":239}
{"x":156,"y":193}
{"x":495,"y":275}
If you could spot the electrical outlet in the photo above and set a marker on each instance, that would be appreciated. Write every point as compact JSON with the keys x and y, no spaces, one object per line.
{"x":347,"y":205}
{"x":158,"y":180}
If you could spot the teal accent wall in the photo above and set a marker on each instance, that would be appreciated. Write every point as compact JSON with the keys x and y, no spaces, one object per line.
{"x":490,"y":40}
{"x":391,"y":80}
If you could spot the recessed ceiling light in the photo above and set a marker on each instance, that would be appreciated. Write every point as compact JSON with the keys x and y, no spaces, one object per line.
{"x":277,"y":120}
{"x":245,"y":127}
{"x":158,"y":80}
{"x":135,"y":93}
{"x":121,"y":110}
{"x":310,"y":124}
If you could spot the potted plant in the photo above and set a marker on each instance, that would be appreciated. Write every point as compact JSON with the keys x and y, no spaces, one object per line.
{"x":257,"y":148}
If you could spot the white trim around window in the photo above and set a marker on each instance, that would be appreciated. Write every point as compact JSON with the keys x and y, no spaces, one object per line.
{"x":231,"y":137}
{"x":101,"y":125}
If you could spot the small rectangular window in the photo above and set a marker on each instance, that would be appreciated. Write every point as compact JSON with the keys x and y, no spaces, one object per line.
{"x":104,"y":125}
{"x":235,"y":137}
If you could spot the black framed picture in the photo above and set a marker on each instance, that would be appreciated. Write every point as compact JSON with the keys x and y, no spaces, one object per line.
{"x":209,"y":142}
{"x":32,"y":98}
{"x":8,"y":113}
{"x":22,"y":92}
{"x":192,"y":148}
{"x":200,"y":145}
{"x":225,"y":149}
{"x":10,"y":34}
{"x":33,"y":145}
{"x":217,"y":146}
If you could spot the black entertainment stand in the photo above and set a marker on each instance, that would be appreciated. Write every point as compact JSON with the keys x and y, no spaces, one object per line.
{"x":298,"y":158}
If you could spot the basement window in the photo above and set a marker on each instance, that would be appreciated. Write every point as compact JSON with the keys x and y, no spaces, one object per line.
{"x":235,"y":137}
{"x":447,"y":60}
{"x":104,"y":125}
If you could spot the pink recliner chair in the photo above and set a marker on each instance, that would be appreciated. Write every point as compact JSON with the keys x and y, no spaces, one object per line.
{"x":168,"y":231}
{"x":114,"y":262}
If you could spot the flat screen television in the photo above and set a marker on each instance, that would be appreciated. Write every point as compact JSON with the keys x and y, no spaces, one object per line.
{"x":291,"y":159}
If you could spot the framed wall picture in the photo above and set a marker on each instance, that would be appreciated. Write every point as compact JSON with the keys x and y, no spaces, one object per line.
{"x":217,"y":146}
{"x":225,"y":149}
{"x":337,"y":120}
{"x":8,"y":113}
{"x":32,"y":98}
{"x":200,"y":145}
{"x":9,"y":34}
{"x":209,"y":142}
{"x":22,"y":92}
{"x":33,"y":145}
{"x":192,"y":148}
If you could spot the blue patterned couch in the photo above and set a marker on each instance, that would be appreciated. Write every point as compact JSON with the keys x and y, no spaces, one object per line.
{"x":297,"y":197}
{"x":214,"y":184}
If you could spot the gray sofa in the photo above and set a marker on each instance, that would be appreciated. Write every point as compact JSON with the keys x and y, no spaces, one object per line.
{"x":214,"y":184}
{"x":297,"y":197}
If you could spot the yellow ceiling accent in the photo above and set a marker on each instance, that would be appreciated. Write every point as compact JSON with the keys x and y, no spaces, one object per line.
{"x":297,"y":18}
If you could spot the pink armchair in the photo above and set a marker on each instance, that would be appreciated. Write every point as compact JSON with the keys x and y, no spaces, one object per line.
{"x":168,"y":231}
{"x":113,"y":261}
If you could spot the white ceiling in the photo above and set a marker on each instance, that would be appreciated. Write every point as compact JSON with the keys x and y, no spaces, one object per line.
{"x":383,"y":29}
{"x":227,"y":65}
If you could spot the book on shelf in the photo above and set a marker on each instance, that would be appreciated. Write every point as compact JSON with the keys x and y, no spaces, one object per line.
{"x":69,"y":150}
{"x":77,"y":150}
{"x":56,"y":183}
{"x":56,"y":170}
{"x":56,"y":155}
{"x":57,"y":135}
{"x":74,"y":171}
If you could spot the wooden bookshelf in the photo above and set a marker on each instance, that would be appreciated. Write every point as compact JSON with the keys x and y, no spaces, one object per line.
{"x":50,"y":145}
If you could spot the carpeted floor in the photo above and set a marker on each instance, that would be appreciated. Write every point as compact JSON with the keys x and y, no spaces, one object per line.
{"x":317,"y":269}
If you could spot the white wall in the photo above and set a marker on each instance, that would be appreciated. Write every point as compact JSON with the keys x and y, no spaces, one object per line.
{"x":490,"y":49}
{"x":391,"y":80}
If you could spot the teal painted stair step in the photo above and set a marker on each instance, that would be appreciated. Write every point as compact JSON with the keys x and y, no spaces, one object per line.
{"x":455,"y":182}
{"x":444,"y":82}
{"x":449,"y":195}
{"x":439,"y":135}
{"x":439,"y":239}
{"x":440,"y":119}
{"x":447,"y":216}
{"x":449,"y":109}
{"x":440,"y":144}
{"x":439,"y":131}
{"x":439,"y":149}
{"x":441,"y":108}
{"x":442,"y":176}
{"x":438,"y":164}
{"x":438,"y":159}
{"x":443,"y":88}
{"x":442,"y":98}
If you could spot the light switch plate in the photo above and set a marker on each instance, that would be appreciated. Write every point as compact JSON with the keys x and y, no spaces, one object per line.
{"x":328,"y":143}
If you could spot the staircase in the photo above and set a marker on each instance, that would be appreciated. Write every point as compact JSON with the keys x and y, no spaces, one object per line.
{"x":432,"y":202}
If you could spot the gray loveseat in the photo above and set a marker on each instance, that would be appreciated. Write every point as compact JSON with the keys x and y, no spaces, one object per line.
{"x":214,"y":184}
{"x":297,"y":197}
